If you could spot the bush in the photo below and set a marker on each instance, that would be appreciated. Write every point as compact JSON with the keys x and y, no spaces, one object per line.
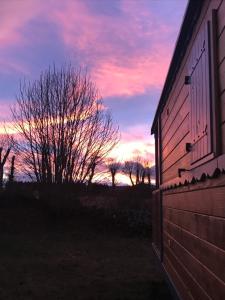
{"x":124,"y":208}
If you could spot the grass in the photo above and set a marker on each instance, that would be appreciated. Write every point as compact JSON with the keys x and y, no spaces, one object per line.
{"x":42,"y":257}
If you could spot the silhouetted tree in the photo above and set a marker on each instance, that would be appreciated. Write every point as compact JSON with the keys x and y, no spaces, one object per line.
{"x":128,"y":169}
{"x":64,"y":128}
{"x":138,"y":171}
{"x":12,"y":170}
{"x":113,"y":168}
{"x":6,"y":144}
{"x":148,"y":174}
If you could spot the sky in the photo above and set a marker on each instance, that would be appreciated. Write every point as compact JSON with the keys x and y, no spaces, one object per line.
{"x":126,"y":46}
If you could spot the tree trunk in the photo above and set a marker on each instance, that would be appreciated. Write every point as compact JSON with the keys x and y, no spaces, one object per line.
{"x":113,"y":180}
{"x":131,"y":180}
{"x":1,"y":176}
{"x":143,"y":177}
{"x":149,"y":179}
{"x":12,"y":170}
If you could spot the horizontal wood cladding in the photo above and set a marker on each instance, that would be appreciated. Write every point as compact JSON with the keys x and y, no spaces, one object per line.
{"x":220,"y":17}
{"x":191,"y":285}
{"x":178,"y":91}
{"x":182,"y":110}
{"x":157,"y":222}
{"x":172,"y":172}
{"x":178,"y":152}
{"x":204,"y":251}
{"x":211,"y":284}
{"x":181,"y":288}
{"x":211,"y":229}
{"x":178,"y":113}
{"x":210,"y":201}
{"x":177,"y":137}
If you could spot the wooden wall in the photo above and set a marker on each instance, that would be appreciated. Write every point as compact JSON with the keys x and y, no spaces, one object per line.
{"x":194,"y":241}
{"x":221,"y":66}
{"x":176,"y":116}
{"x":194,"y":217}
{"x":157,"y":223}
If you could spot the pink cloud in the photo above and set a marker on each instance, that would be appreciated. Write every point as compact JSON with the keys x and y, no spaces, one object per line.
{"x":13,"y":17}
{"x":127,"y":54}
{"x":135,"y":78}
{"x":112,"y":45}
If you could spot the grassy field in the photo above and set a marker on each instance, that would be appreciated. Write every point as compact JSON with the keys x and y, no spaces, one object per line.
{"x":42,"y":257}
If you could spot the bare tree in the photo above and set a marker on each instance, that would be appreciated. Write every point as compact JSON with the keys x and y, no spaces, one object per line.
{"x":148,"y":174}
{"x":6,"y":144}
{"x":113,"y":168}
{"x":128,"y":169}
{"x":138,"y":171}
{"x":143,"y":174}
{"x":64,"y":129}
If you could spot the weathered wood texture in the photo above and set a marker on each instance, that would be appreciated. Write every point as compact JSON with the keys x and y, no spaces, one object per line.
{"x":194,"y":241}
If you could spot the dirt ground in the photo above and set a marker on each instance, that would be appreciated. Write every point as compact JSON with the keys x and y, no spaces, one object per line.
{"x":42,"y":258}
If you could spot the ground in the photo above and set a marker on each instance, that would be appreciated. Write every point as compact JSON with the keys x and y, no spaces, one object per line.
{"x":44,"y":258}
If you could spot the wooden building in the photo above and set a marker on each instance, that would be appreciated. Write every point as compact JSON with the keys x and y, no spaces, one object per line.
{"x":189,"y":129}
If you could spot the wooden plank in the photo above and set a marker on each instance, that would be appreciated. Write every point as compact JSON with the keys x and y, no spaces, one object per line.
{"x":194,"y":290}
{"x":157,"y":221}
{"x":177,"y":94}
{"x":221,"y":17}
{"x":208,"y":228}
{"x":172,"y":172}
{"x":209,"y":201}
{"x":222,"y":77}
{"x":168,"y":133}
{"x":176,"y":154}
{"x":180,"y":286}
{"x":212,"y":285}
{"x":177,"y":137}
{"x":181,"y":109}
{"x":209,"y":255}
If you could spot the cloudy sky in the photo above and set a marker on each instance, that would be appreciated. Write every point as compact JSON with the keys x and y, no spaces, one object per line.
{"x":126,"y":45}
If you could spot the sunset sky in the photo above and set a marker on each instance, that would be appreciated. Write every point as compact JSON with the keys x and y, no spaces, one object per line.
{"x":126,"y":46}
